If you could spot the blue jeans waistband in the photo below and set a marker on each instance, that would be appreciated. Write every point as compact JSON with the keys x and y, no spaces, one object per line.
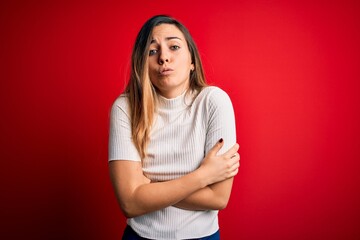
{"x":130,"y":234}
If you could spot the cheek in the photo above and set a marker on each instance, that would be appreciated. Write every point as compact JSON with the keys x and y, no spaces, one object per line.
{"x":152,"y":69}
{"x":150,"y":66}
{"x":186,"y":63}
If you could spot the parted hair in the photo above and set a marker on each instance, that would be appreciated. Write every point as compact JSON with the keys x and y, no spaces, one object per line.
{"x":140,"y":90}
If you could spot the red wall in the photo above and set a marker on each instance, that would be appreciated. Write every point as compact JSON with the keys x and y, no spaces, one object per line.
{"x":291,"y":69}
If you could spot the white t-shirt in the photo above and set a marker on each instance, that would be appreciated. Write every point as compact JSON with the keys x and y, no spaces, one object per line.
{"x":184,"y":130}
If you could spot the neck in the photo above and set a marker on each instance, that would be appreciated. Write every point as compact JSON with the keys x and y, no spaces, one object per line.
{"x":172,"y":94}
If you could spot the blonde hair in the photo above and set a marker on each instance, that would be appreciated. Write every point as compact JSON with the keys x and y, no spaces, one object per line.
{"x":141,"y":92}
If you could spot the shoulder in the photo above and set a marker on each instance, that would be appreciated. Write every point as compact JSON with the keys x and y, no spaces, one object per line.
{"x":121,"y":104}
{"x":214,"y":95}
{"x":122,"y":100}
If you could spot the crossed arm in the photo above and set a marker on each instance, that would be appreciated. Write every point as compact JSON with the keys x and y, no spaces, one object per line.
{"x":208,"y":187}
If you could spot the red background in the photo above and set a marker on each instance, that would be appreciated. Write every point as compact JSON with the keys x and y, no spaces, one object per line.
{"x":290,"y":68}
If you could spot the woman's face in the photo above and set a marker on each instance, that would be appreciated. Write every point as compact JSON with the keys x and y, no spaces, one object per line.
{"x":169,"y":61}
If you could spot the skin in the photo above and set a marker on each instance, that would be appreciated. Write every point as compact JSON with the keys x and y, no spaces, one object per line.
{"x":169,"y":61}
{"x":206,"y":188}
{"x":203,"y":189}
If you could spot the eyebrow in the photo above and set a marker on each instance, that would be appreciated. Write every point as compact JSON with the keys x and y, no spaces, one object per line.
{"x":167,"y":39}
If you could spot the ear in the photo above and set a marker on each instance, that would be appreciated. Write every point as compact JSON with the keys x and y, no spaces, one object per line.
{"x":192,"y":67}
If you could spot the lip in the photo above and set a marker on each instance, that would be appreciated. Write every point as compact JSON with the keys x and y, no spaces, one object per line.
{"x":165,"y":71}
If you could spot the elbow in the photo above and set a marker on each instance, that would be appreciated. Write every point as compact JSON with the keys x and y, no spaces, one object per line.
{"x":221,"y":203}
{"x":222,"y":207}
{"x":129,"y":212}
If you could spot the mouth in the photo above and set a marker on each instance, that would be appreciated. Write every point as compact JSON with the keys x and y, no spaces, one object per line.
{"x":165,"y":71}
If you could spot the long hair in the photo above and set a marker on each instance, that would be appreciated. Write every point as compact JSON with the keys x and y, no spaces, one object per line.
{"x":141,"y":92}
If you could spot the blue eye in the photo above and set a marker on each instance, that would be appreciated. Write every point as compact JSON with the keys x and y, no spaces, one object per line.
{"x":152,"y":52}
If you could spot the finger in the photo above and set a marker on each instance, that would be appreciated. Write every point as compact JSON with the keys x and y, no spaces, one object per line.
{"x":235,"y":159}
{"x":235,"y":167}
{"x":235,"y":172}
{"x":216,"y":148}
{"x":237,"y":155}
{"x":232,"y":151}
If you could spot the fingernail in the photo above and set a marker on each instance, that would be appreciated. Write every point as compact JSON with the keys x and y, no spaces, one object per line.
{"x":221,"y":140}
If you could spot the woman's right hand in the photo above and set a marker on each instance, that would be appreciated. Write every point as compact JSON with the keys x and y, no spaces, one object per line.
{"x":217,"y":168}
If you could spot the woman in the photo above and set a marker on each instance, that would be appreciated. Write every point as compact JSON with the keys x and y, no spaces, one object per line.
{"x":172,"y":147}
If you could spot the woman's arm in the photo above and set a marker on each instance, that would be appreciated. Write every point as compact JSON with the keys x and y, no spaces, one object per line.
{"x":212,"y":197}
{"x":221,"y":122}
{"x":137,"y":196}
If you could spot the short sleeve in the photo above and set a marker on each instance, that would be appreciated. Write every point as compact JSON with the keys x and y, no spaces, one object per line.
{"x":220,"y":120}
{"x":121,"y":146}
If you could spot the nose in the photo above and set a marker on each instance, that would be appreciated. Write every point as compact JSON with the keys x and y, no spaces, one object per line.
{"x":163,"y":57}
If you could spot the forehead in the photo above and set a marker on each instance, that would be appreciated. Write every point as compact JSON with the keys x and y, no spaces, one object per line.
{"x":164,"y":30}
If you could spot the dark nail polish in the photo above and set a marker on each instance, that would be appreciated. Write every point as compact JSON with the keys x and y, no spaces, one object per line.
{"x":221,"y":140}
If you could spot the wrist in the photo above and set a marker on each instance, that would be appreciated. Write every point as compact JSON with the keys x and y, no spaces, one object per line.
{"x":202,"y":176}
